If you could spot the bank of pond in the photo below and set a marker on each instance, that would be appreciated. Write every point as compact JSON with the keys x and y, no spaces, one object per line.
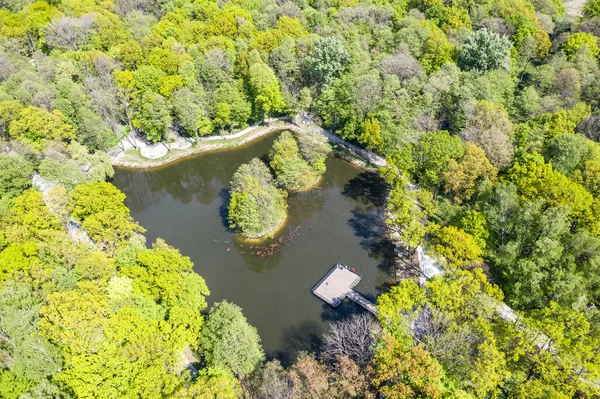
{"x":340,"y":219}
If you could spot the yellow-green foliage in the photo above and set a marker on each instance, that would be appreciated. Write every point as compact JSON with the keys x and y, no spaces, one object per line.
{"x":563,"y":121}
{"x":256,"y":206}
{"x":71,"y":311}
{"x":580,"y":39}
{"x":462,"y":177}
{"x":522,"y":15}
{"x":103,"y":215}
{"x":437,"y":50}
{"x":537,"y":180}
{"x":458,"y":247}
{"x":592,"y":8}
{"x":35,"y":124}
{"x":291,"y":170}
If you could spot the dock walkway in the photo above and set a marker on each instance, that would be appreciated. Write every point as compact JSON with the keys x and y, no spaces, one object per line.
{"x":338,"y":284}
{"x":362,"y":301}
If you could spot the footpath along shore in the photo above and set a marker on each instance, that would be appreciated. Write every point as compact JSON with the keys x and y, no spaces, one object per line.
{"x":133,"y":152}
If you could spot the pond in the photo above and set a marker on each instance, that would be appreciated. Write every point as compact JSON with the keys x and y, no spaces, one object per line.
{"x":340,"y":221}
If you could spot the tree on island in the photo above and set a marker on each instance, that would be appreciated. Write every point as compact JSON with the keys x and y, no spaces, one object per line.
{"x":292,"y":172}
{"x":256,"y":207}
{"x":314,"y":148}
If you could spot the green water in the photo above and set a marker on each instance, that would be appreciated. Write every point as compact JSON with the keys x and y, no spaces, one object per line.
{"x":340,"y":221}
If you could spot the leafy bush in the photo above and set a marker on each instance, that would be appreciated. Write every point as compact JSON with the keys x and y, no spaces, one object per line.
{"x":485,"y":50}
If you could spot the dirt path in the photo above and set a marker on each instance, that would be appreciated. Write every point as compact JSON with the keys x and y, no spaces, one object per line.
{"x":575,"y":7}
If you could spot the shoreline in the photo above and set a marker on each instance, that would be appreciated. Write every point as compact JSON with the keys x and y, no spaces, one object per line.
{"x":270,"y":235}
{"x":309,"y":187}
{"x":135,"y":161}
{"x":342,"y":149}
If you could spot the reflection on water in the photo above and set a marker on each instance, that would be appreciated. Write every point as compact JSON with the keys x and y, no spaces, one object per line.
{"x":340,"y":221}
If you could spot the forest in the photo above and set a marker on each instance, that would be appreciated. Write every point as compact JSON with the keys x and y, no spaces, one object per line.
{"x":488,"y":115}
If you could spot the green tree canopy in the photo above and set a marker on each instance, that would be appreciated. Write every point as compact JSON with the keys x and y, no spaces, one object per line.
{"x":327,"y":59}
{"x":485,"y":50}
{"x":103,"y":215}
{"x":291,"y":170}
{"x":265,"y":89}
{"x":229,"y":342}
{"x":36,"y":124}
{"x":256,"y":206}
{"x":153,"y":117}
{"x":15,"y":175}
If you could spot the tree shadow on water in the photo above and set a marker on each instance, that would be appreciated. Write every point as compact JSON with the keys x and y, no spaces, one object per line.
{"x":367,"y":188}
{"x":255,"y":262}
{"x":306,"y":336}
{"x":225,"y":197}
{"x":367,"y":225}
{"x":370,"y":227}
{"x":368,"y":220}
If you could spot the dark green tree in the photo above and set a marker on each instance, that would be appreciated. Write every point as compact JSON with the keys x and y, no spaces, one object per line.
{"x":327,"y":60}
{"x":485,"y":50}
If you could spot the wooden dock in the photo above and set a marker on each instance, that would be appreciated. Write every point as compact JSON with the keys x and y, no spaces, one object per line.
{"x":362,"y":301}
{"x":338,"y":284}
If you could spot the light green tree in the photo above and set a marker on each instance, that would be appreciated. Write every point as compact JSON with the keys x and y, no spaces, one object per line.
{"x":256,"y":206}
{"x":371,"y":135}
{"x":580,"y":39}
{"x":74,"y":319}
{"x":592,"y":8}
{"x":432,"y":157}
{"x":9,"y":111}
{"x":327,"y":60}
{"x":167,"y":277}
{"x":291,"y":170}
{"x":213,"y":383}
{"x":265,"y":90}
{"x":227,"y":340}
{"x":153,"y":117}
{"x":146,"y":78}
{"x":230,"y":106}
{"x":461,"y":178}
{"x":191,"y":112}
{"x":15,"y":175}
{"x":36,"y":124}
{"x":315,"y":149}
{"x":458,"y":247}
{"x":103,"y":215}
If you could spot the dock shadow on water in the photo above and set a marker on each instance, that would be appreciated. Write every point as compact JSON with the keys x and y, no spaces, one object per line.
{"x":307,"y":336}
{"x":344,"y":310}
